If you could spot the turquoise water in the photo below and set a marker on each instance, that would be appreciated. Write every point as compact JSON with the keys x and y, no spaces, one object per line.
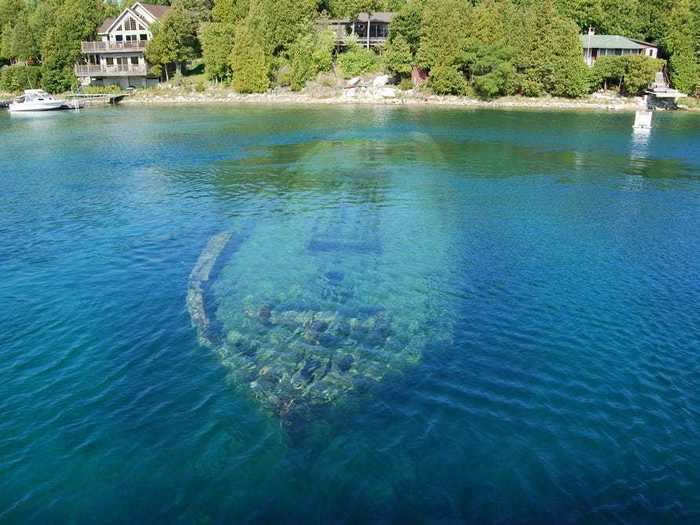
{"x":411,"y":316}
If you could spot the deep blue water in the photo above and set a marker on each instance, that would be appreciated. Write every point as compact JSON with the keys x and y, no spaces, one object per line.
{"x":538,"y":275}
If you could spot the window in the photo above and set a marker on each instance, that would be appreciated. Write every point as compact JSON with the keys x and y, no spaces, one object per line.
{"x":110,"y":61}
{"x":143,"y":37}
{"x":135,"y":61}
{"x":119,"y":38}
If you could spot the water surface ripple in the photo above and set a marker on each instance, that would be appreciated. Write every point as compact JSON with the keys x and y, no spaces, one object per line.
{"x":542,"y":268}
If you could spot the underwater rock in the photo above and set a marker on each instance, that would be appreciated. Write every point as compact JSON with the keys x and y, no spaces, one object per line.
{"x":265,"y":313}
{"x":334,"y":277}
{"x":345,"y":363}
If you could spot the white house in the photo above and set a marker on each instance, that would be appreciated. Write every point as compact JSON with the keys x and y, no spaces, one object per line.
{"x":595,"y":46}
{"x":117,"y":57}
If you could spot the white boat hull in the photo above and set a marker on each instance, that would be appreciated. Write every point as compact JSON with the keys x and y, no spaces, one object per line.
{"x":52,"y":105}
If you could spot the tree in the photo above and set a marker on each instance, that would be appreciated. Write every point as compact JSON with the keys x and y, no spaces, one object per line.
{"x":217,"y":44}
{"x":681,"y":43}
{"x":285,"y":20}
{"x":174,"y":40}
{"x":250,"y":61}
{"x":74,"y":21}
{"x":491,"y":49}
{"x":230,"y":11}
{"x":551,"y":56}
{"x":631,"y":73}
{"x":309,"y":55}
{"x":398,"y":56}
{"x":22,"y":44}
{"x":407,"y":24}
{"x":444,"y":30}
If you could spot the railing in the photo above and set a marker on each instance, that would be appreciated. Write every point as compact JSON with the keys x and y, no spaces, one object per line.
{"x":102,"y":47}
{"x":116,"y":70}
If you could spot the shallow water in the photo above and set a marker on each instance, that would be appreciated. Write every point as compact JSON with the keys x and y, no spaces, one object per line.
{"x":534,"y":277}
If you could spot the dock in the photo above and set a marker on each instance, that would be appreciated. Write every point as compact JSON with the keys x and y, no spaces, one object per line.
{"x":102,"y":99}
{"x":81,"y":100}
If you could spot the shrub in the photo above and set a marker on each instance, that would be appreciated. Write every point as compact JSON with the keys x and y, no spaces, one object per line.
{"x":631,"y":73}
{"x":357,"y":61}
{"x":405,"y":84}
{"x":501,"y":80}
{"x":309,"y":55}
{"x":14,"y":79}
{"x":100,"y":90}
{"x":200,"y":86}
{"x":447,"y":80}
{"x":283,"y":74}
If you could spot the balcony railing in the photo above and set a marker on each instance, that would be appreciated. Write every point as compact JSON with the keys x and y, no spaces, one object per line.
{"x":112,"y":47}
{"x":116,"y":70}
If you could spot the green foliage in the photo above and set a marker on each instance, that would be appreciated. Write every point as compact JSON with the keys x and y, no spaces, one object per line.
{"x":407,"y":24}
{"x":249,"y":60}
{"x":100,"y":90}
{"x":174,"y":39}
{"x":74,"y":21}
{"x":681,"y":41}
{"x":551,"y":56}
{"x":217,"y":45}
{"x":230,"y":11}
{"x":357,"y":61}
{"x":350,"y":8}
{"x":309,"y":55}
{"x":444,"y":30}
{"x":447,"y":80}
{"x":14,"y":79}
{"x":492,"y":49}
{"x":285,"y":20}
{"x":398,"y":56}
{"x":405,"y":84}
{"x":631,"y":73}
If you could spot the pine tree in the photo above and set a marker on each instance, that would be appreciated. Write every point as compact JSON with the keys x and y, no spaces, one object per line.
{"x":249,"y":59}
{"x":444,"y":31}
{"x":551,"y":56}
{"x":680,"y":42}
{"x":398,"y":56}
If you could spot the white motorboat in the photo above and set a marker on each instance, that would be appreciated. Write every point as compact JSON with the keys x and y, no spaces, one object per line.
{"x":36,"y":100}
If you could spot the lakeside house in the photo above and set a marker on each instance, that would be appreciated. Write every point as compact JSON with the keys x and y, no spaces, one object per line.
{"x":117,"y":56}
{"x":371,"y":29}
{"x":595,"y":46}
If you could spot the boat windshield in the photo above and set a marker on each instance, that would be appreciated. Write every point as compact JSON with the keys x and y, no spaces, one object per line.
{"x":37,"y":96}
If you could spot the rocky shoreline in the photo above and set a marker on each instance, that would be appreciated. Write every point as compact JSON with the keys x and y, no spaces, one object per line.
{"x":375,"y":90}
{"x":383,"y":97}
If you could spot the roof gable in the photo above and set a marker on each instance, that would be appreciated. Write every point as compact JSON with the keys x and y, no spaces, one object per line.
{"x":145,"y":13}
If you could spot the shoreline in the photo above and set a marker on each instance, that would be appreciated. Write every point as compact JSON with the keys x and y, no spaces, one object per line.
{"x":231,"y":98}
{"x":169,"y":97}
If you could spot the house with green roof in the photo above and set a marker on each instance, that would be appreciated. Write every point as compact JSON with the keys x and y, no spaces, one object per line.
{"x":595,"y":46}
